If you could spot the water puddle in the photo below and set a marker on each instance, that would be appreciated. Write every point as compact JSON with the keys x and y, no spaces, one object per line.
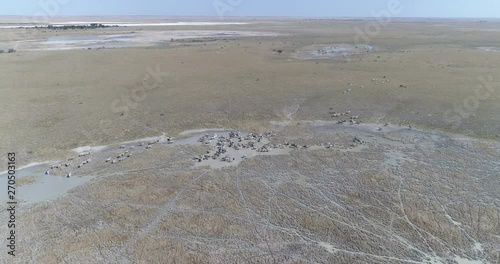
{"x":45,"y":187}
{"x":332,"y":51}
{"x":489,"y":49}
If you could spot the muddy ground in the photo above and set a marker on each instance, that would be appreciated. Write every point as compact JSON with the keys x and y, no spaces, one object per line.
{"x":411,"y":176}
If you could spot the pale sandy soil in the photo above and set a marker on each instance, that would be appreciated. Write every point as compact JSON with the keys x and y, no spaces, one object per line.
{"x":418,"y":190}
{"x":241,"y":82}
{"x":395,"y":196}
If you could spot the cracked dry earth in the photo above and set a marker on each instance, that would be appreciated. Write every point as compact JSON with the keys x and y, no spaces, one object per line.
{"x":398,"y":196}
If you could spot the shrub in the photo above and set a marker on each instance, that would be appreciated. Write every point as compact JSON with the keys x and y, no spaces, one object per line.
{"x":11,"y":50}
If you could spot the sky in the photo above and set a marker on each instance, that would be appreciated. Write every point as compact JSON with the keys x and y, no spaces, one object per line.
{"x":304,"y":8}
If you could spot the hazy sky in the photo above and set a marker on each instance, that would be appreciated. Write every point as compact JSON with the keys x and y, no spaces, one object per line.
{"x":311,"y":8}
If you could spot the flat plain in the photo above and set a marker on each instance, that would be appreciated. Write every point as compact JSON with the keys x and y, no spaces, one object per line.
{"x":350,"y":150}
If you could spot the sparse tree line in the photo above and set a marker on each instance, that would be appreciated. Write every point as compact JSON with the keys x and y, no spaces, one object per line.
{"x":11,"y":50}
{"x":90,"y":26}
{"x":74,"y":27}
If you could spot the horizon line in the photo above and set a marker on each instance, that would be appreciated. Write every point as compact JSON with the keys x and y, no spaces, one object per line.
{"x":277,"y":16}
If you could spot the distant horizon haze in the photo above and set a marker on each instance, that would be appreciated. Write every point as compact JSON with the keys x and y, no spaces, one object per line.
{"x":257,"y":8}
